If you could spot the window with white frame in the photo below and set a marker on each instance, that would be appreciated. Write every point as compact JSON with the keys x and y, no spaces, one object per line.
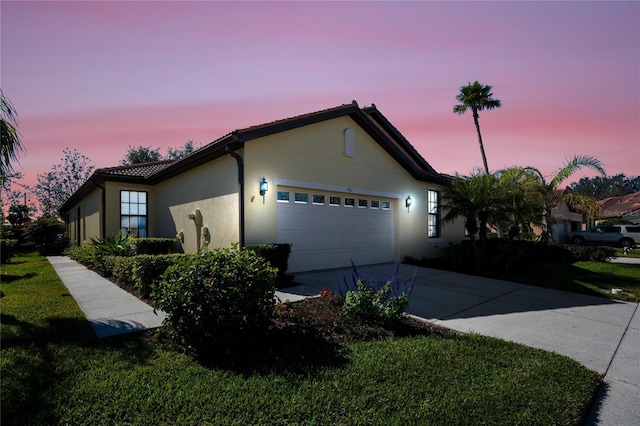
{"x":133,"y":213}
{"x":300,"y":198}
{"x":433,"y":206}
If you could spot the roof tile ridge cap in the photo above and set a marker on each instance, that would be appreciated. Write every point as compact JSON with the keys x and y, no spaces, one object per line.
{"x":297,"y":117}
{"x":134,"y":166}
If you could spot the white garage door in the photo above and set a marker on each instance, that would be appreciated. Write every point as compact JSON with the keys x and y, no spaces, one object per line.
{"x":327,"y":230}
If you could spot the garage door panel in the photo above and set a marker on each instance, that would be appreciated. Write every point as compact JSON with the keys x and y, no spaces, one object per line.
{"x":326,"y":236}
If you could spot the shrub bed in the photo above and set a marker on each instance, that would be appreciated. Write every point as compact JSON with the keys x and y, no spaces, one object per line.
{"x":276,"y":254}
{"x":154,"y":246}
{"x":216,"y":299}
{"x":142,"y":272}
{"x":591,"y":253}
{"x":377,"y":299}
{"x":496,"y":257}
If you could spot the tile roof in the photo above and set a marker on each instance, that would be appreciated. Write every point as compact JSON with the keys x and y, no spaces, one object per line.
{"x":142,"y":170}
{"x":371,"y":120}
{"x":619,"y":206}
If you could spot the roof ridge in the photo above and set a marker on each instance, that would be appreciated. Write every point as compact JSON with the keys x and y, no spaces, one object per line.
{"x":135,"y":165}
{"x":296,"y":117}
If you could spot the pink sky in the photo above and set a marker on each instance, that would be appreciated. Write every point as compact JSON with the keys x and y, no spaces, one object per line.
{"x":101,"y":76}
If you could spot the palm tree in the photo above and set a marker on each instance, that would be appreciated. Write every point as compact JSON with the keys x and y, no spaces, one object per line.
{"x":477,"y":98}
{"x":10,"y":144}
{"x":469,"y":197}
{"x":519,"y":203}
{"x":551,"y":192}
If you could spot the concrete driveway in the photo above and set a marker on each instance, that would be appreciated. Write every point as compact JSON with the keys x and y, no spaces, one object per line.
{"x":601,"y":334}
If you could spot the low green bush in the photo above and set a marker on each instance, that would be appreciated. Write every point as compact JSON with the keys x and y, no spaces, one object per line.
{"x":84,"y":254}
{"x":147,"y":271}
{"x":7,"y":250}
{"x":591,"y":253}
{"x":276,"y":254}
{"x":217,"y":298}
{"x":496,"y":257}
{"x":105,"y":264}
{"x":377,"y":299}
{"x":154,"y":246}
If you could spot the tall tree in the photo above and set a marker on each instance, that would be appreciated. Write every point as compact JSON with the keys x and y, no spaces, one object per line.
{"x":11,"y":145}
{"x":19,"y":214}
{"x":178,"y":153}
{"x":57,"y":185}
{"x":141,"y":154}
{"x":476,"y":97}
{"x":551,"y":192}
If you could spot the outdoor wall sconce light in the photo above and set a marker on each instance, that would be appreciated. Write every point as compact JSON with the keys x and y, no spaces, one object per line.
{"x":408,"y":201}
{"x":192,"y":216}
{"x":180,"y":236}
{"x":264,"y":187}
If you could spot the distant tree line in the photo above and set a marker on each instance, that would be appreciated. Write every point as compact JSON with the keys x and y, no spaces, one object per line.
{"x":601,"y":187}
{"x":145,"y":154}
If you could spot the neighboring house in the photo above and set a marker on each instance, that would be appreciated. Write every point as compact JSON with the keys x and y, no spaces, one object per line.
{"x":566,"y":222}
{"x":343,"y":184}
{"x":625,"y":207}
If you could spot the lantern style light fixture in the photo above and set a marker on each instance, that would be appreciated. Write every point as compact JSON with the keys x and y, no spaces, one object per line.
{"x":264,"y":187}
{"x":408,"y":201}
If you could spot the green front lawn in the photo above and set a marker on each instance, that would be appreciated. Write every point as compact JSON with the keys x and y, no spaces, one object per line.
{"x":596,"y":278}
{"x":54,"y":372}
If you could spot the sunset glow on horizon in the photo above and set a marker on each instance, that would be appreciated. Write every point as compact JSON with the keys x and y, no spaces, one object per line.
{"x":102,"y":76}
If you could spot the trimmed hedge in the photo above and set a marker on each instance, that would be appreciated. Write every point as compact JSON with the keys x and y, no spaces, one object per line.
{"x":502,"y":258}
{"x":144,"y":271}
{"x":276,"y":254}
{"x":155,"y":246}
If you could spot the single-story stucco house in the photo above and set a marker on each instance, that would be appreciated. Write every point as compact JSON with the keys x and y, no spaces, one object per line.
{"x":337,"y":184}
{"x":566,"y":222}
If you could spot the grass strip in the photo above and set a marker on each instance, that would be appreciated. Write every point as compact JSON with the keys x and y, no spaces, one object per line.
{"x":594,"y":278}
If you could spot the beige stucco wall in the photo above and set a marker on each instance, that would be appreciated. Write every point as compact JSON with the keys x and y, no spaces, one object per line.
{"x":112,"y":202}
{"x":312,"y":154}
{"x":315,"y":154}
{"x":90,"y":222}
{"x":213,"y":190}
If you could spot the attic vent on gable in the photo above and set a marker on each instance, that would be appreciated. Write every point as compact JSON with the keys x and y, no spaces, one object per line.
{"x":349,"y":143}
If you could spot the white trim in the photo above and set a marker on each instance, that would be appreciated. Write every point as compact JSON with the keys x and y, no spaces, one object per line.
{"x":334,"y":188}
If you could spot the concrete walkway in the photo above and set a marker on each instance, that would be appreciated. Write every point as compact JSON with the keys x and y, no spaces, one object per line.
{"x":601,"y":334}
{"x":110,"y":309}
